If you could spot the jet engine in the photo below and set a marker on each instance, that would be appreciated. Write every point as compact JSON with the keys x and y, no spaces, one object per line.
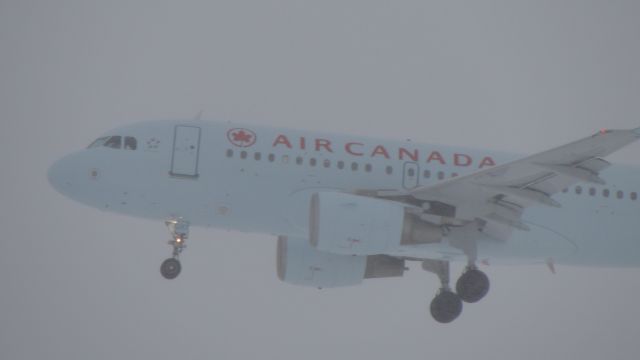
{"x":300,"y":264}
{"x":358,"y":225}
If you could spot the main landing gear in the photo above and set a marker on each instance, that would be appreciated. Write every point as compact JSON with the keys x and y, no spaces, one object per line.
{"x":471,"y":287}
{"x":447,"y":305}
{"x":179,"y":229}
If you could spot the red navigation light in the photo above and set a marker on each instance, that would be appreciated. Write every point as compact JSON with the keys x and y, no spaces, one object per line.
{"x":604,"y":131}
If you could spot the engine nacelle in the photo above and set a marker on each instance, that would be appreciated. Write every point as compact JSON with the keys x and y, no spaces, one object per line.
{"x":300,"y":264}
{"x":358,"y":225}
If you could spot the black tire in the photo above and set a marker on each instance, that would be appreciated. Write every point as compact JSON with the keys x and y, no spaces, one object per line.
{"x":446,"y":307}
{"x":170,"y":268}
{"x":472,"y":286}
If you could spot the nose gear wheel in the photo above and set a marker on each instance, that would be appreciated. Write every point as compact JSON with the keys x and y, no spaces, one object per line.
{"x":179,"y":229}
{"x":170,"y":268}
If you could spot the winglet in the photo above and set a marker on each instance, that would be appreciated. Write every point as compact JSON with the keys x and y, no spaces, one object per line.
{"x":636,"y":131}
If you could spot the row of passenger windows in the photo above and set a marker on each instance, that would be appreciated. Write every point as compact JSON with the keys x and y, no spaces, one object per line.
{"x":115,"y":142}
{"x":427,"y":174}
{"x":354,"y":166}
{"x":579,"y":190}
{"x":130,"y":143}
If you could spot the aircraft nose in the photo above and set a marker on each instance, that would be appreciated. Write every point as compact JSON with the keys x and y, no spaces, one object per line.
{"x":59,"y":176}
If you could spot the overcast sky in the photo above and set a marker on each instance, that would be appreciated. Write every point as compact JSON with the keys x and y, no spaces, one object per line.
{"x":520,"y":76}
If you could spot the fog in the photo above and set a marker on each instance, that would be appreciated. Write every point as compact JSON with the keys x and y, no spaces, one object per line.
{"x":518,"y":76}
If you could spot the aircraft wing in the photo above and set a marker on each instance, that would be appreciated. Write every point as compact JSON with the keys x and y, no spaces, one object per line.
{"x":500,"y":194}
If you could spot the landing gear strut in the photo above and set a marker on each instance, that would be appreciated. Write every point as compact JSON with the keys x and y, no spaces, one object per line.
{"x":179,"y":229}
{"x":447,"y":305}
{"x":473,"y":284}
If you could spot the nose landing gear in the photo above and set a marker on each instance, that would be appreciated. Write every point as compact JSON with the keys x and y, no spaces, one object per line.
{"x":179,"y":229}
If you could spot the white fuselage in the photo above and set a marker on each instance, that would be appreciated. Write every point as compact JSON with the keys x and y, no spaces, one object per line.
{"x":260,"y":179}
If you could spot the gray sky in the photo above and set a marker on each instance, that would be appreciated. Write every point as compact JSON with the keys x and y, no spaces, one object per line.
{"x":519,"y":76}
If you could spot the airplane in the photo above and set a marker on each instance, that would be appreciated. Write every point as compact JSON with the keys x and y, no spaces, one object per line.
{"x":348,"y":208}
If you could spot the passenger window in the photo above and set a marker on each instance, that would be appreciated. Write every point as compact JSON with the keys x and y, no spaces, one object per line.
{"x":427,"y":174}
{"x":327,"y":163}
{"x":440,"y":175}
{"x":578,"y":190}
{"x":389,"y":170}
{"x":634,"y":196}
{"x":368,"y":168}
{"x":299,"y":160}
{"x":257,"y":156}
{"x":454,"y":175}
{"x":605,"y":193}
{"x":272,"y":158}
{"x":229,"y":153}
{"x":354,"y":166}
{"x":285,"y":159}
{"x":243,"y":155}
{"x":411,"y":172}
{"x":620,"y":194}
{"x":130,"y":143}
{"x":114,"y":142}
{"x":592,"y":191}
{"x":313,"y":161}
{"x":340,"y":164}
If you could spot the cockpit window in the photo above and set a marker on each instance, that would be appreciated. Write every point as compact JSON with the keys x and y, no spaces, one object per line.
{"x":99,"y":142}
{"x":114,"y":142}
{"x":130,"y":143}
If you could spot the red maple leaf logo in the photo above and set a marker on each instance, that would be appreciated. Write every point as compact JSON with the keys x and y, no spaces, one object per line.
{"x":241,"y":137}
